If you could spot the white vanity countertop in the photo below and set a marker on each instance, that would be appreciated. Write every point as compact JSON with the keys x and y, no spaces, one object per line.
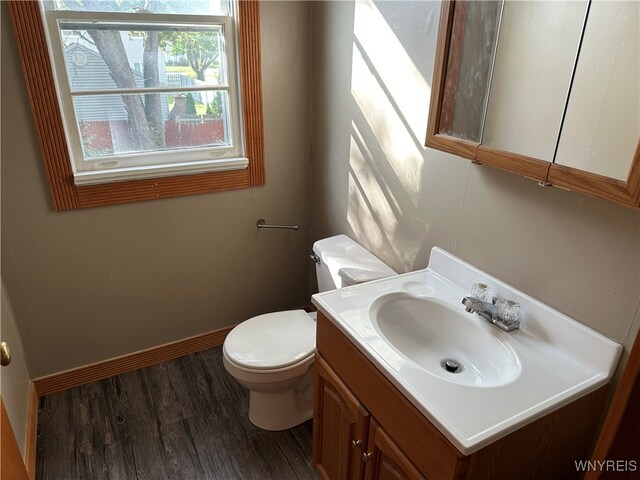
{"x":559,"y":359}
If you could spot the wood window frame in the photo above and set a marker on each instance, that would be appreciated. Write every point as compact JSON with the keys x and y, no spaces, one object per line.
{"x":28,"y":26}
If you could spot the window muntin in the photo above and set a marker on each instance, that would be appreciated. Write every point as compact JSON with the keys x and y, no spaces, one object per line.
{"x":188,"y":7}
{"x":119,"y":116}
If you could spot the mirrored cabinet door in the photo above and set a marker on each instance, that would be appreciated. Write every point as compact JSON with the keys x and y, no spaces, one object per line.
{"x":600,"y":130}
{"x":469,"y":66}
{"x":537,"y":47}
{"x":544,"y":89}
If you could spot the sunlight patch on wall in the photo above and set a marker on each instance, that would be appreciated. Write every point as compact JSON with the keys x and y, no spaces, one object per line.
{"x":385,"y":120}
{"x":369,"y":213}
{"x":380,"y":220}
{"x":391,"y":99}
{"x":406,"y":86}
{"x":387,"y":129}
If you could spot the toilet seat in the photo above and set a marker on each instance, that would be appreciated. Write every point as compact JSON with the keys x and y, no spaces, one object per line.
{"x":273,"y":341}
{"x":265,"y":377}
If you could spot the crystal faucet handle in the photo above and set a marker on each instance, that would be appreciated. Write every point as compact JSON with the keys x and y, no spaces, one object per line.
{"x":508,"y":310}
{"x":481,"y":291}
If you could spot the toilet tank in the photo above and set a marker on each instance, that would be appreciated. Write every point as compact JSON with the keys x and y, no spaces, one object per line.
{"x":343,"y":262}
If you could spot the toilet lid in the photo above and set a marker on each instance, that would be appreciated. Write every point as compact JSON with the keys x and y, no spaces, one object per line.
{"x":274,"y":340}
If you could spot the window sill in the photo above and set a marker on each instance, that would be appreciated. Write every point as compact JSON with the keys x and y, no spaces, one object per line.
{"x":158,"y":171}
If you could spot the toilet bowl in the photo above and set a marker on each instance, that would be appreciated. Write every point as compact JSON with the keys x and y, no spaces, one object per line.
{"x":272,"y":355}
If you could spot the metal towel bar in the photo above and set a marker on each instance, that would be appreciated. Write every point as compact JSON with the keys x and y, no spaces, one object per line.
{"x":261,"y":223}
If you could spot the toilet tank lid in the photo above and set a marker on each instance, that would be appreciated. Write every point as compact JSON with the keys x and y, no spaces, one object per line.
{"x":272,"y":341}
{"x":353,"y":262}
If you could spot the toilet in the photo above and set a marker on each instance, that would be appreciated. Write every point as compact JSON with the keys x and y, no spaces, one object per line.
{"x":272,"y":355}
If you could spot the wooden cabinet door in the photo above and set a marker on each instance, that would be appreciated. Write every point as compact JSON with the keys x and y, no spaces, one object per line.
{"x":11,"y":465}
{"x":384,"y":460}
{"x":340,"y":426}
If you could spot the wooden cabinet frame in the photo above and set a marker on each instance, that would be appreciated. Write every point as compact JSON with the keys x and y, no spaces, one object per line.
{"x":65,"y":195}
{"x":618,"y":438}
{"x":623,"y":192}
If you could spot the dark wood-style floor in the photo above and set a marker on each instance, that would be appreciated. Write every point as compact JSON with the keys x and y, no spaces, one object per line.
{"x":182,"y":419}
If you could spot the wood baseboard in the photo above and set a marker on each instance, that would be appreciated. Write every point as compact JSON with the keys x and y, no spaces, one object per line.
{"x":32,"y":433}
{"x":126,"y":363}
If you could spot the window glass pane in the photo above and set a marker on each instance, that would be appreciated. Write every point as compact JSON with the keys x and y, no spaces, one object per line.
{"x":118,"y":124}
{"x":113,"y":56}
{"x":192,"y":7}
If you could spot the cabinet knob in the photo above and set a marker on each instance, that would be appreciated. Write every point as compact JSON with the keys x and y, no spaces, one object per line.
{"x":366,"y":457}
{"x":355,"y":444}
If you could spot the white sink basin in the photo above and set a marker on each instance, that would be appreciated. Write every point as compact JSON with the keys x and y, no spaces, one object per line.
{"x":445,"y":342}
{"x":408,"y":324}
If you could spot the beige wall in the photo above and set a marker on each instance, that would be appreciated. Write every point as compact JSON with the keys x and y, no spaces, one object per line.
{"x":373,"y":179}
{"x":14,"y":378}
{"x":89,"y":285}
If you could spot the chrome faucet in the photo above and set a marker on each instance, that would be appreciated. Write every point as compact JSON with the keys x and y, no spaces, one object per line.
{"x":505,"y":318}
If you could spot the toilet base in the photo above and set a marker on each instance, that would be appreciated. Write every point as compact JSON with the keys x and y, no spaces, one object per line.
{"x":276,"y":411}
{"x":284,"y":409}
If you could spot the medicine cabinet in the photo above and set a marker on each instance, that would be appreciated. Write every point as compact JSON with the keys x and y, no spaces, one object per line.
{"x":548,"y":90}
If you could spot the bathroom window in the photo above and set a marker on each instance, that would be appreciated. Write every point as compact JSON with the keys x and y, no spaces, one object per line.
{"x":148,"y":96}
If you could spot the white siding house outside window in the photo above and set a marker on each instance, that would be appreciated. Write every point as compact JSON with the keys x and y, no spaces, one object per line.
{"x":147,"y":88}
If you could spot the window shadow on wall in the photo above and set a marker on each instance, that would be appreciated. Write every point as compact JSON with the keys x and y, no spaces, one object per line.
{"x":386,"y":154}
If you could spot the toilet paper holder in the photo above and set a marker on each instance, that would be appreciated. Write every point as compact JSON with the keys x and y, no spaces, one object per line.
{"x":261,"y":223}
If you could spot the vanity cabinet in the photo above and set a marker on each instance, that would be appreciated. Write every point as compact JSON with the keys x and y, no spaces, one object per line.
{"x":365,"y":428}
{"x":348,"y":443}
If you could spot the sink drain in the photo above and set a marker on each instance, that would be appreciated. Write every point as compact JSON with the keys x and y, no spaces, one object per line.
{"x":451,"y":365}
